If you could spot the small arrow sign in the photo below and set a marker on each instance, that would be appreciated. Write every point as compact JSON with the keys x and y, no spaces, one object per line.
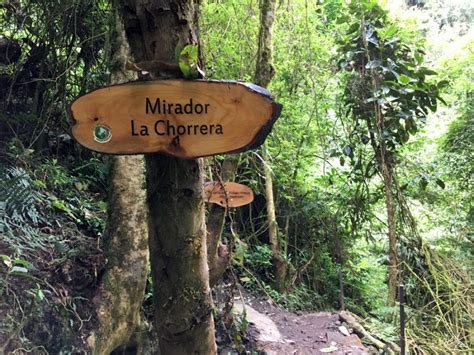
{"x":182,"y":118}
{"x":231,"y":194}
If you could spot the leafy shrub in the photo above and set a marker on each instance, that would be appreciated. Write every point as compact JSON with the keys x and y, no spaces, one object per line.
{"x":20,"y":217}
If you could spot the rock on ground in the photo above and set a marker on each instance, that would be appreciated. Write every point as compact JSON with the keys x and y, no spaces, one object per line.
{"x":277,"y":331}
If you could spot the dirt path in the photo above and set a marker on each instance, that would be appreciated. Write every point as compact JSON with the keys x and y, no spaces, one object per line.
{"x":277,"y":331}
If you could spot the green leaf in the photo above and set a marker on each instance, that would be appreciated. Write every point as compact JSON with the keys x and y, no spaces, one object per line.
{"x":188,"y":61}
{"x":21,"y":262}
{"x":185,"y":69}
{"x":40,"y":294}
{"x":39,"y":183}
{"x":341,"y":19}
{"x":427,"y":71}
{"x":353,"y":28}
{"x":423,"y":183}
{"x":440,"y":183}
{"x":6,"y":260}
{"x":388,"y":32}
{"x":190,"y":50}
{"x":61,"y":205}
{"x":418,"y":58}
{"x":403,"y":79}
{"x":442,"y":84}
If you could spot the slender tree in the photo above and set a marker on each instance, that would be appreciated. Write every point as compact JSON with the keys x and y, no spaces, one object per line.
{"x":264,"y":73}
{"x":219,"y":254}
{"x":177,"y":238}
{"x":388,"y":95}
{"x":120,"y":294}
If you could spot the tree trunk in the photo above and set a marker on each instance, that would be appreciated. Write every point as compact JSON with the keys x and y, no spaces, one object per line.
{"x":156,"y":31}
{"x":122,"y":287}
{"x":263,"y":75}
{"x":385,"y":167}
{"x":218,"y":255}
{"x":280,"y":265}
{"x":178,"y":255}
{"x":387,"y":174}
{"x":264,"y":70}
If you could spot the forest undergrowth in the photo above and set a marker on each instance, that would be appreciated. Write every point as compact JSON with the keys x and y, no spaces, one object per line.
{"x":365,"y":92}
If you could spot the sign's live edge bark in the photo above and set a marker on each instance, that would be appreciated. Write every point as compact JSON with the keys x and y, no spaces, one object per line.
{"x":182,"y":118}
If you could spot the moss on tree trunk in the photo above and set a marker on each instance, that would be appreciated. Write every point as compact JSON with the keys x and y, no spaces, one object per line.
{"x":122,"y":287}
{"x":218,"y":255}
{"x":183,"y":305}
{"x":264,"y":73}
{"x":178,"y":254}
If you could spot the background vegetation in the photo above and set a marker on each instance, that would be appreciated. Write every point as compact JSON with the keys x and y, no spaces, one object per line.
{"x":340,"y":67}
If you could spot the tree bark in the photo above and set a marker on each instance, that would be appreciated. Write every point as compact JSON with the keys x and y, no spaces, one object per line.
{"x":280,"y":265}
{"x":156,"y":31}
{"x":264,"y":73}
{"x":122,"y":288}
{"x":385,"y":167}
{"x":178,"y":255}
{"x":387,"y":174}
{"x":218,"y":254}
{"x":264,"y":70}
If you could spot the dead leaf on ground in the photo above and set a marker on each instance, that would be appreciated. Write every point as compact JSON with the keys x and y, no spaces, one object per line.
{"x":329,"y":349}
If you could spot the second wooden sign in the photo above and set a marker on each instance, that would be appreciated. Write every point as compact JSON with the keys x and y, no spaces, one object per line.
{"x":231,"y":194}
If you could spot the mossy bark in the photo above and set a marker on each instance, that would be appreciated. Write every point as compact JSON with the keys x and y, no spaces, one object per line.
{"x":178,"y":253}
{"x":263,"y":75}
{"x":280,"y":265}
{"x":122,"y":287}
{"x":156,"y":31}
{"x":387,"y":174}
{"x":218,"y":254}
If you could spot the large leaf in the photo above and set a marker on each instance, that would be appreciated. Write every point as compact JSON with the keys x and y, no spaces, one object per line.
{"x":188,"y":61}
{"x":404,"y":79}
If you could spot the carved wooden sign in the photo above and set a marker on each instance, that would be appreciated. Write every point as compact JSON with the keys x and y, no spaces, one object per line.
{"x":183,"y":118}
{"x":231,"y":194}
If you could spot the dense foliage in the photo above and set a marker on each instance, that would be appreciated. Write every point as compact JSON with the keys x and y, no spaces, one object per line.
{"x":360,"y":88}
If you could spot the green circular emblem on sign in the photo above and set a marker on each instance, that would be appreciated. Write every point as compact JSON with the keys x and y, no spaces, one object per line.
{"x":102,"y":133}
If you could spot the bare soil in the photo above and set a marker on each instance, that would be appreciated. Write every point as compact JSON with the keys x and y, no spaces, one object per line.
{"x":277,"y":331}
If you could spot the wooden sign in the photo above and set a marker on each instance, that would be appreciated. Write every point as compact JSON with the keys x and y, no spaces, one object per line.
{"x":183,"y":118}
{"x":229,"y":195}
